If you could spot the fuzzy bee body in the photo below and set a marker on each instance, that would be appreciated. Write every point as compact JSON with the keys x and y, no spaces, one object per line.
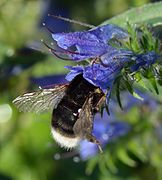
{"x":67,"y":112}
{"x":74,"y":106}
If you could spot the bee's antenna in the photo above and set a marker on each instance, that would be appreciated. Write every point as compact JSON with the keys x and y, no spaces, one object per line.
{"x":71,"y":21}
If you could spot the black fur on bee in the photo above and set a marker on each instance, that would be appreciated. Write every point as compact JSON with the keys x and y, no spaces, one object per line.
{"x":73,"y":117}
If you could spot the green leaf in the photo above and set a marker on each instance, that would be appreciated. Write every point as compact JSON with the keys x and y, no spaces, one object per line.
{"x":91,"y":165}
{"x":159,"y":77}
{"x":153,"y":82}
{"x":137,"y":150}
{"x":137,"y":96}
{"x":118,"y":95}
{"x":148,"y":74}
{"x":123,"y":156}
{"x":128,"y":86}
{"x":110,"y":162}
{"x":149,"y":13}
{"x":102,"y":166}
{"x":142,"y":83}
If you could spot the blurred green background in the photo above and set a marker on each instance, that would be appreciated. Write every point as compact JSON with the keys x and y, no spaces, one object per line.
{"x":27,"y":149}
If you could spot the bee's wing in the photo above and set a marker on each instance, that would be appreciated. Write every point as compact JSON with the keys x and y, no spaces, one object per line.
{"x":84,"y":123}
{"x":41,"y":101}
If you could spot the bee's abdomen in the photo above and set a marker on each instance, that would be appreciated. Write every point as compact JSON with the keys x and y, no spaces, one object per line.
{"x":66,"y":113}
{"x":63,"y":120}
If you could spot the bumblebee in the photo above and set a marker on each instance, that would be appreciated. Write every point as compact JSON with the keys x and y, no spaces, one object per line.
{"x":74,"y":106}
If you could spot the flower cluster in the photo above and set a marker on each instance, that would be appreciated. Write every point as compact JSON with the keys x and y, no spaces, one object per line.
{"x":88,"y":44}
{"x":107,"y":60}
{"x":112,"y":59}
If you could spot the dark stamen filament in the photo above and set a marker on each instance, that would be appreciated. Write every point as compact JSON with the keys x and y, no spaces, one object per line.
{"x":50,"y":30}
{"x":63,"y":52}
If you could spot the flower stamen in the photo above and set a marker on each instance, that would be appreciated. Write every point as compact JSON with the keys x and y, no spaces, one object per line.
{"x":71,"y":21}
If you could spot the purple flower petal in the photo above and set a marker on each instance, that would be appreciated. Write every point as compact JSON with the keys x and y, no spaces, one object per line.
{"x":84,"y":38}
{"x":88,"y":44}
{"x":87,"y":149}
{"x":109,"y":31}
{"x":120,"y":56}
{"x":74,"y":71}
{"x":96,"y":74}
{"x":100,"y":76}
{"x":144,"y":60}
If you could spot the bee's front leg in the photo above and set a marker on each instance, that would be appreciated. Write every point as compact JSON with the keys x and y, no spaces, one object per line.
{"x":100,"y":104}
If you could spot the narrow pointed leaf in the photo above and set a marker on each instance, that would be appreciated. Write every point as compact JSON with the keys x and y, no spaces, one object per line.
{"x":149,"y":13}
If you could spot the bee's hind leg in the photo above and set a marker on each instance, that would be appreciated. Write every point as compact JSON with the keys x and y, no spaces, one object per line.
{"x":94,"y":140}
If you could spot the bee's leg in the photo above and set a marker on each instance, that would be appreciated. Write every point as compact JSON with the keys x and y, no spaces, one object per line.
{"x":93,"y":139}
{"x":100,"y":104}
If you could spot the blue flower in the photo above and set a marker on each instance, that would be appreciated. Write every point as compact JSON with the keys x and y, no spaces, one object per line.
{"x":104,"y":73}
{"x":106,"y":131}
{"x":88,"y":44}
{"x":108,"y":61}
{"x":144,"y":60}
{"x":97,"y":74}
